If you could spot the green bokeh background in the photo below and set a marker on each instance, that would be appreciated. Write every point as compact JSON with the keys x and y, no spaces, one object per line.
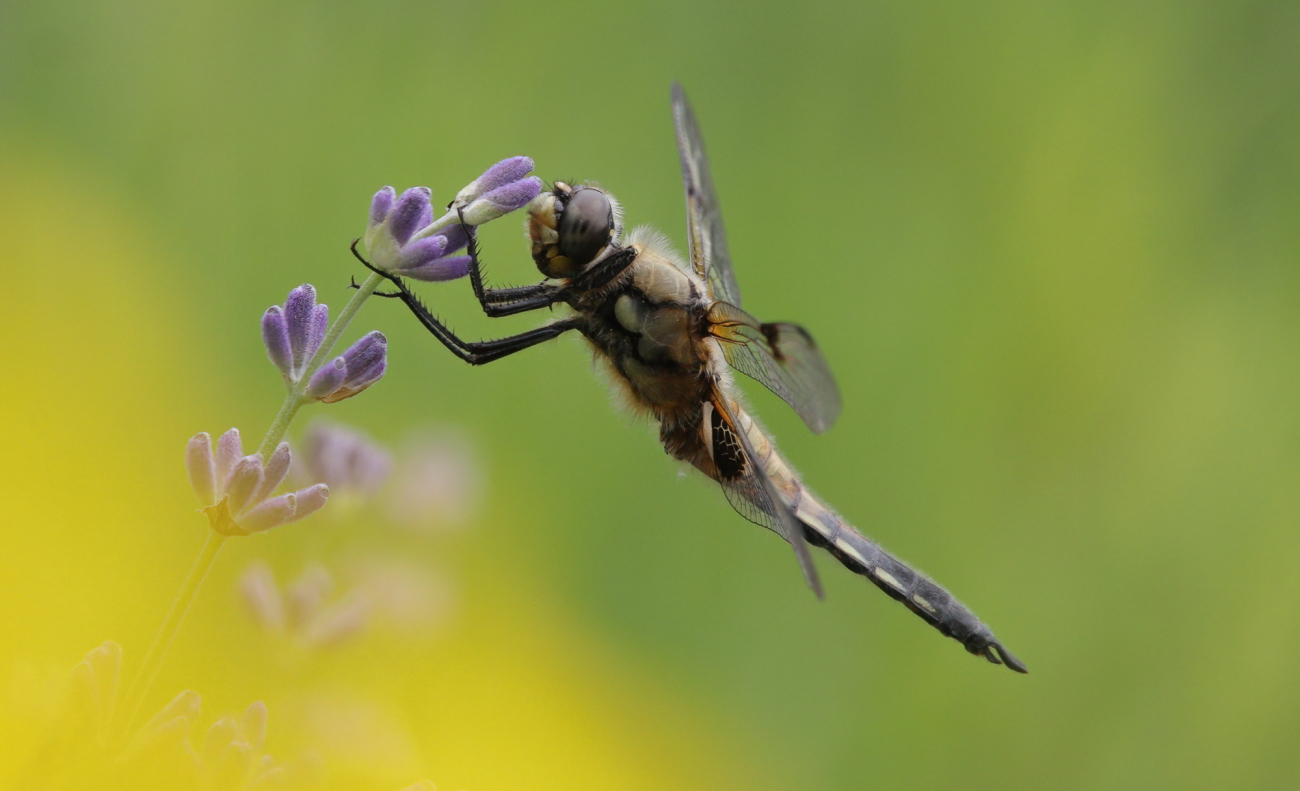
{"x":1050,"y":251}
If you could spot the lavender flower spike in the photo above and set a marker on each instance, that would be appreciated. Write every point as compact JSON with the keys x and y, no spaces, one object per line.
{"x":402,"y":238}
{"x":235,"y":490}
{"x":394,"y":220}
{"x":359,"y":367}
{"x":499,"y":175}
{"x":502,"y":200}
{"x":293,"y":333}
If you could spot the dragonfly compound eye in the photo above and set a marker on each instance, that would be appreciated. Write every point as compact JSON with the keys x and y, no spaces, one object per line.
{"x":586,"y":225}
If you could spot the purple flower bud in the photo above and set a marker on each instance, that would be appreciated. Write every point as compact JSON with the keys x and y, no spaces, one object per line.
{"x":320,"y":321}
{"x":273,"y":473}
{"x":502,"y":200}
{"x":456,"y":238}
{"x":500,"y":174}
{"x":411,"y":209}
{"x":328,"y":378}
{"x":311,"y":500}
{"x":382,"y":204}
{"x":228,"y":452}
{"x":440,"y":269}
{"x":245,"y":480}
{"x":237,"y":489}
{"x":198,"y":462}
{"x":275,"y":336}
{"x":418,"y":252}
{"x":365,"y":363}
{"x":400,"y":231}
{"x":293,"y":333}
{"x":429,"y":259}
{"x":271,"y":513}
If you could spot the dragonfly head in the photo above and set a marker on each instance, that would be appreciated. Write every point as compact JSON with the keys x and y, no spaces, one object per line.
{"x":570,"y":226}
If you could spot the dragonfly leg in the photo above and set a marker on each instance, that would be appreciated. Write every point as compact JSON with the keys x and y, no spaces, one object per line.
{"x":503,"y":301}
{"x":472,"y":352}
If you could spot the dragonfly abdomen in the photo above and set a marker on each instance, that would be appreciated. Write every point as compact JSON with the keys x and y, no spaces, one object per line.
{"x":826,"y":529}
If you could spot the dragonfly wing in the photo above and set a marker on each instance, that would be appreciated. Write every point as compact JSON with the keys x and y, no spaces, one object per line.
{"x":783,"y":358}
{"x":708,"y":241}
{"x":749,"y":488}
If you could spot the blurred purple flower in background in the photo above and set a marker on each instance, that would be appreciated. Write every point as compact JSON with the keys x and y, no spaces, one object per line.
{"x":437,"y":481}
{"x":402,"y":237}
{"x":301,"y":611}
{"x":351,"y":463}
{"x":236,"y":490}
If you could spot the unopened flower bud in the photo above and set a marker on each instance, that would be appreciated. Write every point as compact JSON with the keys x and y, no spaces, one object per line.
{"x":499,"y":175}
{"x":359,"y":367}
{"x":236,"y":490}
{"x":293,"y":333}
{"x":502,"y":200}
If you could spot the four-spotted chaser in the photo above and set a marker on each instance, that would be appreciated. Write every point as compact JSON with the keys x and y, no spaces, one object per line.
{"x":668,"y":330}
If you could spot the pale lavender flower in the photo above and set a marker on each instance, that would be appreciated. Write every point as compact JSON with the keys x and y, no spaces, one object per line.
{"x":302,"y":612}
{"x":346,"y":459}
{"x":438,"y":482}
{"x":359,"y":367}
{"x":293,"y":333}
{"x":236,"y":490}
{"x":400,"y":237}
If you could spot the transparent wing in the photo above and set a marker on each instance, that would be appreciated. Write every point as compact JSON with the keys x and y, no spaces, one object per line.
{"x":750,"y":489}
{"x":783,"y":357}
{"x":708,"y":242}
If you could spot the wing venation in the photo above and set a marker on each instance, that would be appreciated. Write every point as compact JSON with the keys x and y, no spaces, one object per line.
{"x":783,"y":358}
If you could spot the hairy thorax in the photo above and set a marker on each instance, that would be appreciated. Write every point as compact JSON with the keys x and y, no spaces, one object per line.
{"x":651,"y":327}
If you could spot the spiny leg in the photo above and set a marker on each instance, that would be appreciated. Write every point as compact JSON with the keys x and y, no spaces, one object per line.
{"x":385,"y":294}
{"x":472,"y":352}
{"x":498,"y":302}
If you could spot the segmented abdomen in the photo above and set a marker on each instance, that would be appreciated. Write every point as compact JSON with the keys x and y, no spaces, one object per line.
{"x":824,"y":528}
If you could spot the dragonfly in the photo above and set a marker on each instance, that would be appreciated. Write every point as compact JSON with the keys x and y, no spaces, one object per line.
{"x":670,"y":332}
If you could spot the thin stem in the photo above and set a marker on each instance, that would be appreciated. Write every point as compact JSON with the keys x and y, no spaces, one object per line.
{"x":345,"y":316}
{"x":293,"y":401}
{"x":162,"y":641}
{"x":437,"y":225}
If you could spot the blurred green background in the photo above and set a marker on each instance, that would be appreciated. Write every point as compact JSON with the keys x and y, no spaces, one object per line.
{"x":1050,"y":251}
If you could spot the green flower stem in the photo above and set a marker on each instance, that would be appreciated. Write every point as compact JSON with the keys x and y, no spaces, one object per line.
{"x":162,"y":641}
{"x":293,"y":401}
{"x":345,"y":316}
{"x":296,"y":396}
{"x":452,"y":216}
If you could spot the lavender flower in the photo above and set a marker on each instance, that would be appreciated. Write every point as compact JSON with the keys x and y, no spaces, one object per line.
{"x":235,"y":490}
{"x":293,"y":333}
{"x":437,"y":482}
{"x":359,"y":367}
{"x":345,"y":459}
{"x":300,"y":612}
{"x":394,"y":220}
{"x":402,"y":237}
{"x":502,"y":173}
